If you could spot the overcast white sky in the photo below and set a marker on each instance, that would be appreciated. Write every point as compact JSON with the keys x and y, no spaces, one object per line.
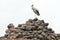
{"x":19,"y":11}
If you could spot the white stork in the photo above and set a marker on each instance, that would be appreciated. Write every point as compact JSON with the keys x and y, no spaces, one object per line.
{"x":35,"y":11}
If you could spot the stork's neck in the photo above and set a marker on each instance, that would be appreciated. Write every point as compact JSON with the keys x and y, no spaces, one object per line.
{"x":33,"y":8}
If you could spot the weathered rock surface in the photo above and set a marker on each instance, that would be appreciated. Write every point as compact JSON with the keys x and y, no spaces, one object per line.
{"x":33,"y":29}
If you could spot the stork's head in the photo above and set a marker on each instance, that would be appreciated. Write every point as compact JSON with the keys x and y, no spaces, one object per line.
{"x":32,"y":5}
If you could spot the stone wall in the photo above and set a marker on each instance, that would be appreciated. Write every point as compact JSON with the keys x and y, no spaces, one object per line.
{"x":33,"y":29}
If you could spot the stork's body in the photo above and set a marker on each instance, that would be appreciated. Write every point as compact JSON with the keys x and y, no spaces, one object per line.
{"x":35,"y":11}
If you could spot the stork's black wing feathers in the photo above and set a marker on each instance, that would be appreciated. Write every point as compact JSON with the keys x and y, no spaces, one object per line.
{"x":37,"y":12}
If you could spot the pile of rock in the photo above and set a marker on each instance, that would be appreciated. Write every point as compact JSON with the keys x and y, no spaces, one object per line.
{"x":33,"y":29}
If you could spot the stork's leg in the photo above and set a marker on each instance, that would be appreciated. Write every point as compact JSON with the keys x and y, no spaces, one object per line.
{"x":35,"y":16}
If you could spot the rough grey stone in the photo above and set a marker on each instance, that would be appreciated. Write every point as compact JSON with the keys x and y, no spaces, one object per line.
{"x":33,"y":29}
